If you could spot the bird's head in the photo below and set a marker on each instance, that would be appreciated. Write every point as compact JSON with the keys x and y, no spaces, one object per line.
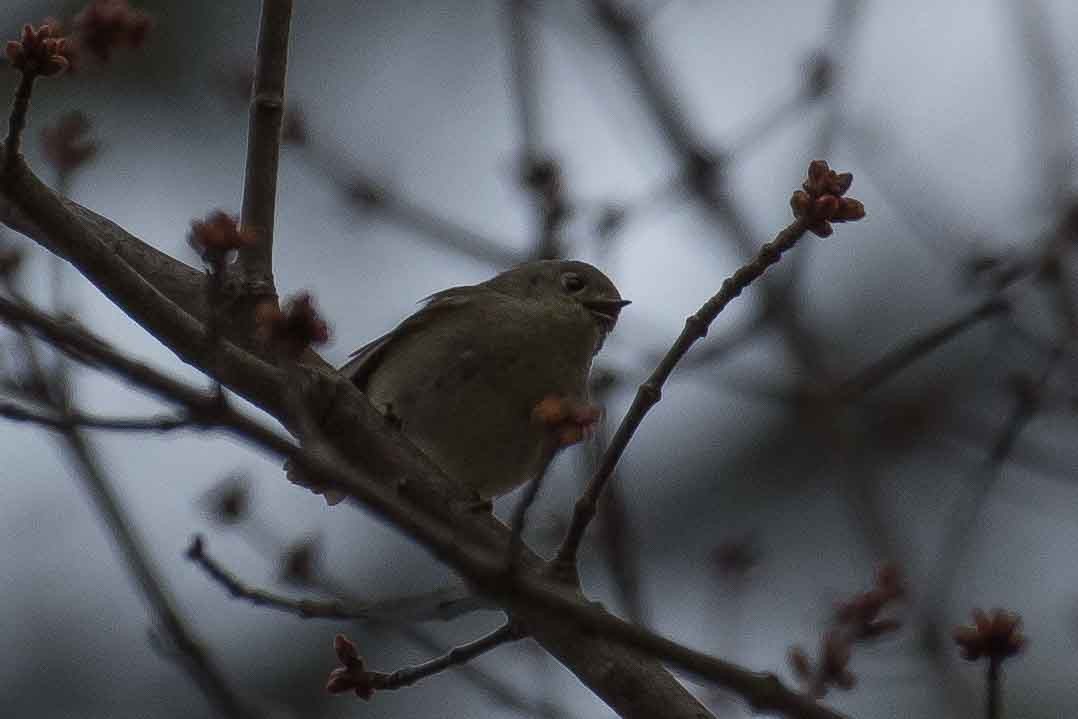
{"x":570,"y":281}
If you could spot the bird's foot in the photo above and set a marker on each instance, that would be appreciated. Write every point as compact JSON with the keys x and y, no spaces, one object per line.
{"x":572,"y":421}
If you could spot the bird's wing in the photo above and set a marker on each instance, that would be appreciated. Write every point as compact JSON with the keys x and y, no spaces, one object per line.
{"x":366,"y":359}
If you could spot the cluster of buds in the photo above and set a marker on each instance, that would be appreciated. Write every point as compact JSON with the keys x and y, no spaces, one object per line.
{"x":820,"y":201}
{"x":40,"y":51}
{"x":66,"y":144}
{"x":856,"y":619}
{"x":107,"y":25}
{"x":994,"y":635}
{"x":295,"y":327}
{"x":352,"y":675}
{"x":215,"y":237}
{"x":861,"y":613}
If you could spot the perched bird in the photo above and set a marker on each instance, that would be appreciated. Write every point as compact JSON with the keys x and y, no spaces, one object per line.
{"x":490,"y":380}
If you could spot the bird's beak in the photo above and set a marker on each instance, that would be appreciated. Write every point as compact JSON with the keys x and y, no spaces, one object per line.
{"x":606,"y":310}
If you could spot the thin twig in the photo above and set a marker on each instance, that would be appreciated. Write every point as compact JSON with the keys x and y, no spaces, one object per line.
{"x":264,"y":145}
{"x":401,"y":615}
{"x":619,"y":537}
{"x":539,"y":173}
{"x":650,"y":392}
{"x":443,"y":604}
{"x":437,"y":230}
{"x":875,"y":374}
{"x":703,"y":166}
{"x":198,"y":663}
{"x":993,"y":688}
{"x":964,"y":518}
{"x":519,"y":521}
{"x":165,"y":423}
{"x":522,"y":64}
{"x":17,"y":121}
{"x":454,"y":657}
{"x":196,"y":660}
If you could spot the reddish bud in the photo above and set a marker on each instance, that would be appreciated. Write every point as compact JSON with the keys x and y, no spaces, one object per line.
{"x":353,"y":675}
{"x":66,"y":145}
{"x":295,"y":327}
{"x":995,"y":635}
{"x":826,"y":207}
{"x":820,"y":201}
{"x":821,"y":229}
{"x":108,"y":25}
{"x":217,"y":235}
{"x":345,"y":650}
{"x":39,"y":51}
{"x":800,"y":664}
{"x":849,"y":210}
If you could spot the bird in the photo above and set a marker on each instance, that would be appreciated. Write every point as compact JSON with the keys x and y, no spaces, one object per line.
{"x":491,"y":380}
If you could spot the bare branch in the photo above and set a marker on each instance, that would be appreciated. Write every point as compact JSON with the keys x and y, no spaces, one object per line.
{"x":353,"y":675}
{"x":703,"y":166}
{"x":901,"y":357}
{"x":17,"y":120}
{"x":264,"y":145}
{"x":194,"y":658}
{"x":444,"y":604}
{"x":522,"y":64}
{"x":578,"y":633}
{"x":650,"y":392}
{"x":368,"y":194}
{"x":164,"y":423}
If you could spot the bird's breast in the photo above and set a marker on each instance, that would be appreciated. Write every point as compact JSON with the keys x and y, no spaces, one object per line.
{"x":464,"y":390}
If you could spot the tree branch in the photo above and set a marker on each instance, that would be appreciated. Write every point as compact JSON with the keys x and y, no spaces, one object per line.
{"x":166,"y":423}
{"x":650,"y":392}
{"x":355,"y":676}
{"x":443,"y":605}
{"x":194,"y":658}
{"x":901,"y":357}
{"x":264,"y":146}
{"x":583,"y":636}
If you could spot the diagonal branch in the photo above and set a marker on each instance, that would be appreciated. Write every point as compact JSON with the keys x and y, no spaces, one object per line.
{"x":52,"y":420}
{"x":650,"y":392}
{"x":901,"y":357}
{"x":446,"y":604}
{"x":195,"y":659}
{"x":166,"y":296}
{"x":582,"y":635}
{"x":354,"y":676}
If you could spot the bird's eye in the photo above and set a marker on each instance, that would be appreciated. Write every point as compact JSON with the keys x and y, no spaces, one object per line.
{"x":572,"y":282}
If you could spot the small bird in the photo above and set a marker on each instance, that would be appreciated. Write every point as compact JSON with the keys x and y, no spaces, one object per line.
{"x":490,"y":380}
